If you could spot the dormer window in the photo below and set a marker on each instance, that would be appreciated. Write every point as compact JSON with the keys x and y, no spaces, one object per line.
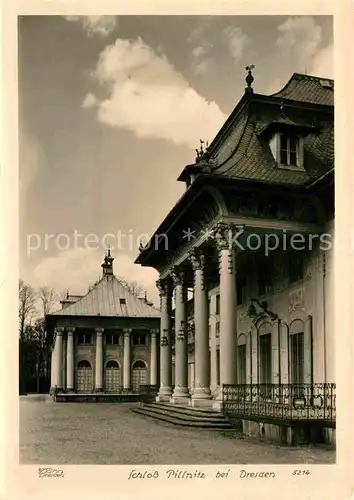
{"x":287,"y":150}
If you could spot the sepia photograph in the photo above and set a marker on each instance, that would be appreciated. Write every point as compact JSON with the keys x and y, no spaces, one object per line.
{"x":176,"y":224}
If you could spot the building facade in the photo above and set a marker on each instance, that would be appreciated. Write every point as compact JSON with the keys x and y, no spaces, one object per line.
{"x":106,"y":341}
{"x":251,"y":238}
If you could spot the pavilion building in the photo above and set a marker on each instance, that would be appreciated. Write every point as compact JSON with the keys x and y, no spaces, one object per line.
{"x":252,"y":238}
{"x":105,"y":342}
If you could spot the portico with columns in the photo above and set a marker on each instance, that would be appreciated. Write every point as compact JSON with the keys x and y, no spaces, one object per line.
{"x":105,"y":342}
{"x":244,"y":249}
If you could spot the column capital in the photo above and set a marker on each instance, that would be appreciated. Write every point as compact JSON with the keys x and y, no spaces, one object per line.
{"x":127,"y":332}
{"x":99,"y":331}
{"x":178,"y":275}
{"x":59,"y":330}
{"x":197,"y":259}
{"x":224,"y":234}
{"x":70,"y":330}
{"x":154,"y":333}
{"x":163,"y":286}
{"x":164,"y":338}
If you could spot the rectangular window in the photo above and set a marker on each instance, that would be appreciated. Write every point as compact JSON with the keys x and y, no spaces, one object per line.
{"x":217,"y":366}
{"x":84,"y":338}
{"x":265,"y":354}
{"x":241,"y":359}
{"x":217,"y":329}
{"x":112,"y":339}
{"x":217,"y":306}
{"x":297,"y":358}
{"x":139,"y":339}
{"x":289,"y":150}
{"x":122,"y":301}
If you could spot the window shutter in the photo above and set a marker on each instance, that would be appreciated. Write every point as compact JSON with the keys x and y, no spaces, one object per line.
{"x":248,"y":359}
{"x":275,"y":353}
{"x":308,"y":351}
{"x":284,"y":354}
{"x":254,"y":336}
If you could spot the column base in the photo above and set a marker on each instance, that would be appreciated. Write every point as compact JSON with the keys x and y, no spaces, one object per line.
{"x":201,"y":403}
{"x":164,"y":395}
{"x":201,"y":397}
{"x":218,"y":403}
{"x":179,"y":398}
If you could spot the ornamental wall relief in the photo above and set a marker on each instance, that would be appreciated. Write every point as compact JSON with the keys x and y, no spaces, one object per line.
{"x":296,"y":302}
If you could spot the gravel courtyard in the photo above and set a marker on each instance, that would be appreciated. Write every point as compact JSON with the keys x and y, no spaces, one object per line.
{"x":89,"y":433}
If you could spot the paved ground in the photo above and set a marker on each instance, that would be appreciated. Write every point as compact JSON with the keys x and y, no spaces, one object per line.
{"x":89,"y":433}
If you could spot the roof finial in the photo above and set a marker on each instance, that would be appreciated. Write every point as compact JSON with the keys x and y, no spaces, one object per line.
{"x":249,"y":77}
{"x":108,"y":250}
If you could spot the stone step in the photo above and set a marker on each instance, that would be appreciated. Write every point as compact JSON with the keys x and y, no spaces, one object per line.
{"x":202,"y":411}
{"x":187,"y":420}
{"x":187,"y":410}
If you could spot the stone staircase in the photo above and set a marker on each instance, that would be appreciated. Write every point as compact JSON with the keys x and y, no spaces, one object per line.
{"x":185,"y":416}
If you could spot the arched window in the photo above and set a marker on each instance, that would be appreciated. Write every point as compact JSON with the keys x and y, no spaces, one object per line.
{"x":296,"y":332}
{"x":139,"y":364}
{"x":139,"y":375}
{"x":112,"y":364}
{"x":265,"y":353}
{"x":84,"y":379}
{"x":84,"y":364}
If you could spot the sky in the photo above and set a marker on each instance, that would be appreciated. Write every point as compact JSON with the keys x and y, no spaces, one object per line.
{"x":112,"y":108}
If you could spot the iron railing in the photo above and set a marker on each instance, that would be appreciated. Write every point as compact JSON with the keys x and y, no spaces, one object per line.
{"x":281,"y":401}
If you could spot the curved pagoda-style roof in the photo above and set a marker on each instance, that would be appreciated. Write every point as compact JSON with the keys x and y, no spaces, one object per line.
{"x":239,"y":153}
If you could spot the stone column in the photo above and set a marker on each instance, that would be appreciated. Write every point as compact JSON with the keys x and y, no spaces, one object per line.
{"x":70,"y":359}
{"x":127,"y":360}
{"x":99,"y":360}
{"x":228,"y":332}
{"x":165,"y":390}
{"x":153,"y":358}
{"x":201,"y":393}
{"x":58,"y":377}
{"x":180,"y":393}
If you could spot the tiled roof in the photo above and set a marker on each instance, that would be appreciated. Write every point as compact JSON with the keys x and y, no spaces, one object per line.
{"x":109,"y":298}
{"x":311,"y":89}
{"x":245,"y":155}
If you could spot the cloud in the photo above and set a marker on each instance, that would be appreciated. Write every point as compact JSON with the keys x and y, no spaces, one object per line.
{"x":75,"y":269}
{"x":147,"y":96}
{"x":95,"y":25}
{"x":89,"y":102}
{"x":30,"y":158}
{"x":237,"y":40}
{"x":322,"y":63}
{"x":299,"y":39}
{"x":201,"y":60}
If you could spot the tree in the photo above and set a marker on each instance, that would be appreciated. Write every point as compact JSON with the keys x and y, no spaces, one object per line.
{"x":132,"y":286}
{"x":27,"y":305}
{"x":48,"y":298}
{"x":26,"y":311}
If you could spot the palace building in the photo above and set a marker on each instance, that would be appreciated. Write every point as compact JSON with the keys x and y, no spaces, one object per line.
{"x":251,"y":238}
{"x":105,"y":342}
